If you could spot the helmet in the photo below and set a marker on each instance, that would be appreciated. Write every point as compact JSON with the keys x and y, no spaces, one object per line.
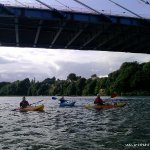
{"x":98,"y":94}
{"x":23,"y":98}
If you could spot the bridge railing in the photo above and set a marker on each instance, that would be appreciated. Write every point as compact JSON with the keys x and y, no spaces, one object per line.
{"x":72,"y":9}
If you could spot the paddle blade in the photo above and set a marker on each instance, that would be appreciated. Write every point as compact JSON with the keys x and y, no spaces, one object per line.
{"x":13,"y":109}
{"x":54,"y":98}
{"x":114,"y":95}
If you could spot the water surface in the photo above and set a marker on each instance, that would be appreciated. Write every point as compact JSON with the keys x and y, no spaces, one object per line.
{"x":75,"y":128}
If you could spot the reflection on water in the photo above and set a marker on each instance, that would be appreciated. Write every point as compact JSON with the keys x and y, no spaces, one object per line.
{"x":74,"y":128}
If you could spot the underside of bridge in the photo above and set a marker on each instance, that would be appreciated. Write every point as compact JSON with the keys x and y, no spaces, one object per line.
{"x":26,"y":27}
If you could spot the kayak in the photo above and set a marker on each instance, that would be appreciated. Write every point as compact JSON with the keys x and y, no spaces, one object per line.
{"x":115,"y":105}
{"x":67,"y":103}
{"x":31,"y":108}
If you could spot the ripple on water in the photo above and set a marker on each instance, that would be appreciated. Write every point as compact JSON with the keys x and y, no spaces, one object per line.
{"x":74,"y":128}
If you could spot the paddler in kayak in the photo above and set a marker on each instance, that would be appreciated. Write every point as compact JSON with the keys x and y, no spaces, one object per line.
{"x":98,"y":100}
{"x":62,"y":100}
{"x":24,"y":103}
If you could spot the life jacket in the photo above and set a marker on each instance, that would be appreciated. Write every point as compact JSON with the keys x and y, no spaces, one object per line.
{"x":24,"y":104}
{"x":98,"y":100}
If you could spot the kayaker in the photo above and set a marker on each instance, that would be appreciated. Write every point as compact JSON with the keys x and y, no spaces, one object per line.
{"x":62,"y":100}
{"x":24,"y":103}
{"x":98,"y":100}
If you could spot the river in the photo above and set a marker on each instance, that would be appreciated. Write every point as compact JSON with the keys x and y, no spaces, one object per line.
{"x":75,"y":128}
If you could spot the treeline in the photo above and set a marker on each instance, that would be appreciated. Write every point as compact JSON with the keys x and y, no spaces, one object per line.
{"x":131,"y":79}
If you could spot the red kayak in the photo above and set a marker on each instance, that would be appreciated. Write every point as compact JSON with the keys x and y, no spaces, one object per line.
{"x":115,"y":105}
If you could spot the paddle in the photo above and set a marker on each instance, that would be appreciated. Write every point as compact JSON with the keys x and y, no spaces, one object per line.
{"x":54,"y":98}
{"x":113,"y":95}
{"x":36,"y":102}
{"x":30,"y":104}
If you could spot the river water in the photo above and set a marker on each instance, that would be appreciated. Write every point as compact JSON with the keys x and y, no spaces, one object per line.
{"x":75,"y":128}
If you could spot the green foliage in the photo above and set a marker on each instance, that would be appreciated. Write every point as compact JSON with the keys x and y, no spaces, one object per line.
{"x":80,"y":84}
{"x":131,"y":79}
{"x":94,"y":76}
{"x":22,"y":87}
{"x":71,"y":89}
{"x":72,"y":77}
{"x":90,"y":87}
{"x":101,"y":85}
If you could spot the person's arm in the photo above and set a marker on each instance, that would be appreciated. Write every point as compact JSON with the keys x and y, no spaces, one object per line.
{"x":27,"y":103}
{"x":102,"y":101}
{"x":95,"y":101}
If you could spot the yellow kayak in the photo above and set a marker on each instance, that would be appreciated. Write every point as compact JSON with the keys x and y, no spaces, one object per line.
{"x":31,"y":108}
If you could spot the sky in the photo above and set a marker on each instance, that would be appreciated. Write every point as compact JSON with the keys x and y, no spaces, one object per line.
{"x":21,"y":63}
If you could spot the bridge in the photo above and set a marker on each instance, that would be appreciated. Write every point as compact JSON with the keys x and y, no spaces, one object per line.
{"x":52,"y":29}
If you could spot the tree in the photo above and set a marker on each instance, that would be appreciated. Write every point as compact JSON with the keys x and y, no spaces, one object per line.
{"x":71,"y":89}
{"x":145,"y":77}
{"x":94,"y":76}
{"x":72,"y":77}
{"x":23,"y":87}
{"x":80,"y":84}
{"x":131,"y":78}
{"x":49,"y":81}
{"x":4,"y":90}
{"x":101,"y":85}
{"x":90,"y":87}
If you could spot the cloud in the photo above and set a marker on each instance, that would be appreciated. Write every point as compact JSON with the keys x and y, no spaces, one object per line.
{"x":3,"y":60}
{"x":20,"y":63}
{"x":81,"y":69}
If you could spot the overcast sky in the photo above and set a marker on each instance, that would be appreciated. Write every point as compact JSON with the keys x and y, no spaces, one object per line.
{"x":21,"y":63}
